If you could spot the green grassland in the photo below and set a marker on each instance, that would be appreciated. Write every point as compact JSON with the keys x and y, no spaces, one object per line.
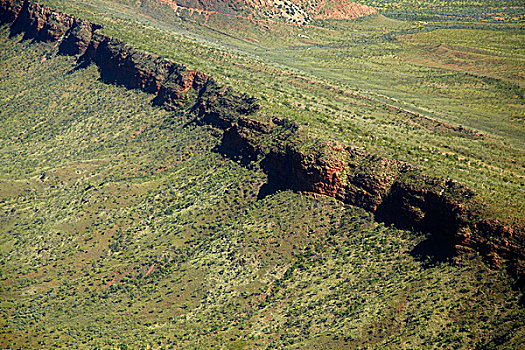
{"x":121,"y":228}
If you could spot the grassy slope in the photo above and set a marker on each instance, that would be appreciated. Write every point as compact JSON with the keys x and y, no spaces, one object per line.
{"x":465,"y":77}
{"x":443,"y":10}
{"x":120,"y":226}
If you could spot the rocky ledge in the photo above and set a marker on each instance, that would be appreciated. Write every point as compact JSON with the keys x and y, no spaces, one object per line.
{"x":117,"y":62}
{"x":396,"y":192}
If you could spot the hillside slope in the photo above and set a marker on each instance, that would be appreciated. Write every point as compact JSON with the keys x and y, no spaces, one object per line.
{"x":296,"y":11}
{"x":122,"y":228}
{"x":396,"y":192}
{"x":136,"y":174}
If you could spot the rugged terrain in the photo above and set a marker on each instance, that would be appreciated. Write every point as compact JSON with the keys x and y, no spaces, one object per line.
{"x":285,"y":154}
{"x":297,"y":11}
{"x":395,"y":191}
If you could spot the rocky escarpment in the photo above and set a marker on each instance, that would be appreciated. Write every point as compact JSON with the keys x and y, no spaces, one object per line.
{"x":117,"y":62}
{"x":395,"y":192}
{"x":36,"y":21}
{"x":120,"y":64}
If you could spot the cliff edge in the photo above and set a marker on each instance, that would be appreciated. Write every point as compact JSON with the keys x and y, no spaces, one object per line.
{"x":396,"y":192}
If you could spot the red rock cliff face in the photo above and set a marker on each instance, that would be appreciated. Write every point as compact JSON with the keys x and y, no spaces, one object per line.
{"x":121,"y":64}
{"x":395,"y":192}
{"x":342,"y":9}
{"x":78,"y":38}
{"x":117,"y":62}
{"x":42,"y":23}
{"x":303,"y":172}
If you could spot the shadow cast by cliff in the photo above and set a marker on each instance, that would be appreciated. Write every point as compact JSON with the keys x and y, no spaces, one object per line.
{"x":270,"y":188}
{"x":432,"y":251}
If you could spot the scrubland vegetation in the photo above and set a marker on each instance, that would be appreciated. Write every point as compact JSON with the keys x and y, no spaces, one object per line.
{"x":120,"y":227}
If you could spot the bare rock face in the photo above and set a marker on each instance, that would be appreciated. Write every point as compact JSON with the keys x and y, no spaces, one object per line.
{"x":303,"y":172}
{"x":180,"y":80}
{"x":222,"y":6}
{"x":395,"y":192}
{"x":123,"y":65}
{"x":9,"y":10}
{"x":78,"y":38}
{"x":117,"y":62}
{"x":342,"y":9}
{"x":42,"y":23}
{"x":222,"y":107}
{"x":369,"y":179}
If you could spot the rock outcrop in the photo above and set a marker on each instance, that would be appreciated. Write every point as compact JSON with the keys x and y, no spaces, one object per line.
{"x":117,"y":62}
{"x":41,"y":23}
{"x":78,"y":38}
{"x":341,"y":9}
{"x":123,"y":65}
{"x":395,"y":192}
{"x":9,"y":10}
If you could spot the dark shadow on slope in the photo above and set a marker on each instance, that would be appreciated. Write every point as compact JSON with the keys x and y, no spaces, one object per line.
{"x":245,"y":160}
{"x":407,"y":208}
{"x":81,"y":64}
{"x":269,"y":189}
{"x":432,"y":251}
{"x":18,"y":27}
